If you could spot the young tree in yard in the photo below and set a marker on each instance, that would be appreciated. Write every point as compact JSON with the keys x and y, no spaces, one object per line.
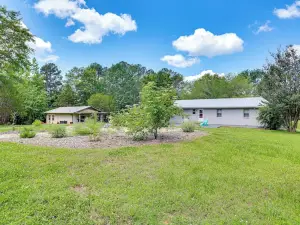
{"x":14,"y":50}
{"x":159,"y":106}
{"x":102,"y":102}
{"x":154,"y":112}
{"x":280,"y":85}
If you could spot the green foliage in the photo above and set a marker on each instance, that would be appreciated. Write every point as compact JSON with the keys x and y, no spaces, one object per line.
{"x":123,"y":82}
{"x":280,"y":86}
{"x":270,"y":117}
{"x":53,"y":79}
{"x":14,"y":50}
{"x":102,"y":102}
{"x":58,"y":131}
{"x":37,"y":123}
{"x":188,"y":127}
{"x":81,"y":129}
{"x":134,"y":122}
{"x":27,"y":132}
{"x":154,"y":112}
{"x":67,"y":97}
{"x":215,"y":86}
{"x":91,"y":127}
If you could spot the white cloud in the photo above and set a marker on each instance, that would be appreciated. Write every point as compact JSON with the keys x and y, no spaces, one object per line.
{"x":60,"y":8}
{"x":179,"y":60}
{"x":297,"y":48}
{"x":264,"y":28}
{"x":291,"y":11}
{"x":205,"y":43}
{"x":42,"y":49}
{"x":198,"y":76}
{"x":95,"y":24}
{"x":70,"y":23}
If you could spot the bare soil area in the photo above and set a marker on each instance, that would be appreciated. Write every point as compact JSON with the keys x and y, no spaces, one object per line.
{"x":108,"y":139}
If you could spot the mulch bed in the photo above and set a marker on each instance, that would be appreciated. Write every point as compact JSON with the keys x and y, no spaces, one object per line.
{"x":108,"y":140}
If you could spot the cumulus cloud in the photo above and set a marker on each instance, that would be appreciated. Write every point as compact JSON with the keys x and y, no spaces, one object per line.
{"x":179,"y":60}
{"x":42,"y":49}
{"x":95,"y":25}
{"x":205,"y":43}
{"x":264,"y":28}
{"x":198,"y":76}
{"x":291,"y":11}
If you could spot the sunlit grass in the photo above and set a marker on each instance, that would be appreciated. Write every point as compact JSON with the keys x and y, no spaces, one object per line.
{"x":232,"y":176}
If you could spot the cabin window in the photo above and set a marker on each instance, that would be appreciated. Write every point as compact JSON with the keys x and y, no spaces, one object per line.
{"x":194,"y":111}
{"x":219,"y":112}
{"x":52,"y":117}
{"x":49,"y":117}
{"x":200,"y":113}
{"x":246,"y":113}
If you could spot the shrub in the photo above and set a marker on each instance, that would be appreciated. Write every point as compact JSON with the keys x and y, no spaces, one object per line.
{"x":90,"y":127}
{"x":58,"y":131}
{"x":27,"y":132}
{"x":140,"y":136}
{"x":188,"y":127}
{"x":270,"y":117}
{"x":81,"y":130}
{"x":37,"y":123}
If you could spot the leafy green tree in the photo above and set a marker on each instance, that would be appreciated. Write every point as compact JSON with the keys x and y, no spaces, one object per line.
{"x":280,"y":85}
{"x":102,"y":102}
{"x":154,"y":112}
{"x":53,"y":78}
{"x":14,"y":50}
{"x":67,"y":97}
{"x":123,"y":82}
{"x":159,"y":106}
{"x":214,"y":86}
{"x":254,"y":76}
{"x":165,"y":78}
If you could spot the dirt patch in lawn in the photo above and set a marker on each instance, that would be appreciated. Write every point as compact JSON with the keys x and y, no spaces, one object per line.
{"x":108,"y":140}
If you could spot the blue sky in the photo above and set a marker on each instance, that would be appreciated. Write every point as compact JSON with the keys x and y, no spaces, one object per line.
{"x":186,"y":36}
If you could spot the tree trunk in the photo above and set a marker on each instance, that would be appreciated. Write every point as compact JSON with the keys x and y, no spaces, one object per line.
{"x":155,"y":133}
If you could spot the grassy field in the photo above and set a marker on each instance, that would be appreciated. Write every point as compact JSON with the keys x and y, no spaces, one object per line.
{"x":232,"y":176}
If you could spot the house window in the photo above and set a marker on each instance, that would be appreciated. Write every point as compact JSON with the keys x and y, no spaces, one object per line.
{"x":246,"y":113}
{"x":200,"y":113}
{"x":49,"y":118}
{"x":194,"y":111}
{"x":52,"y":117}
{"x":219,"y":112}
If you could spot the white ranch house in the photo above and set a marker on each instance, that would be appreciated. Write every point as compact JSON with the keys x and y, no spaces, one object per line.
{"x":71,"y":115}
{"x":224,"y":111}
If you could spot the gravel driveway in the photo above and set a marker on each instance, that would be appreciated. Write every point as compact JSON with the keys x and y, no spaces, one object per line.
{"x":108,"y":140}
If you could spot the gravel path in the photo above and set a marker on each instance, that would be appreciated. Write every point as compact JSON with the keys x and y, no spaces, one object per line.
{"x":108,"y":140}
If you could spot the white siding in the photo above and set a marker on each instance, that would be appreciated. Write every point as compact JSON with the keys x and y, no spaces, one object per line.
{"x":61,"y":117}
{"x":230,"y":117}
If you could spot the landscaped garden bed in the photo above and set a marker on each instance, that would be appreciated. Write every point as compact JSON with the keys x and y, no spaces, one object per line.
{"x":109,"y":139}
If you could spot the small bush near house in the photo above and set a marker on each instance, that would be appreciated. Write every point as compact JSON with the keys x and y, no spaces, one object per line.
{"x":188,"y":127}
{"x":27,"y":132}
{"x":81,"y":130}
{"x":37,"y":123}
{"x":91,"y":127}
{"x":58,"y":132}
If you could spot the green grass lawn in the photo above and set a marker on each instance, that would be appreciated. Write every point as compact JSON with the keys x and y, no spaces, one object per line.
{"x":232,"y":176}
